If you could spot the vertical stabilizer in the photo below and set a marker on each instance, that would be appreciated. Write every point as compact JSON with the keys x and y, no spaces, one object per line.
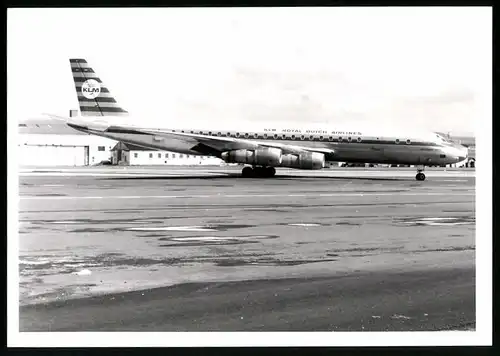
{"x":94,"y":97}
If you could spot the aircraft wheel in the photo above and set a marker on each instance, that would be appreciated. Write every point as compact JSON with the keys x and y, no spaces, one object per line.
{"x":271,"y":171}
{"x":247,"y":172}
{"x":259,"y":172}
{"x":420,"y":176}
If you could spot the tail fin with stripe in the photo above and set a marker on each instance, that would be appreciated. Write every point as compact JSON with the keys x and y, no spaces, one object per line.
{"x":94,"y":97}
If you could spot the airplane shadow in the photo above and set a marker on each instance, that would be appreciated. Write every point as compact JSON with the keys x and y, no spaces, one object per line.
{"x":238,"y":176}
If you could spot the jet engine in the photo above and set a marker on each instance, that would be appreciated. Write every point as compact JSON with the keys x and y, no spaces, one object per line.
{"x":267,"y":156}
{"x":305,"y":160}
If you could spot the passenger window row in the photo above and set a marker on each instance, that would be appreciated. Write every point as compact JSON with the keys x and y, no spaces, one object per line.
{"x":284,"y":136}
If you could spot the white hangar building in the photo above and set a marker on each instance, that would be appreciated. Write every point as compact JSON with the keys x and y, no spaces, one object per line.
{"x":49,"y":143}
{"x":132,"y":155}
{"x":46,"y":142}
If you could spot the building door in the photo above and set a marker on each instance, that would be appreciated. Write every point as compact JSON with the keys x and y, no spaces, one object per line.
{"x":45,"y":155}
{"x":86,"y":155}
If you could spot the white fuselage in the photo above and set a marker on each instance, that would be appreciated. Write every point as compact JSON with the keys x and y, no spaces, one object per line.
{"x":348,"y":144}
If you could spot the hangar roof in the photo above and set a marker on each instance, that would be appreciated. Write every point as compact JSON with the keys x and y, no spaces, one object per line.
{"x":130,"y":147}
{"x":46,"y":127}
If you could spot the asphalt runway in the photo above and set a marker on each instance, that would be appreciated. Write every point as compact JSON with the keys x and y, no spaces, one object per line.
{"x":198,"y":249}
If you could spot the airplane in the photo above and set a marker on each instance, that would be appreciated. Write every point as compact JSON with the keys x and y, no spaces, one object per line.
{"x":260,"y":148}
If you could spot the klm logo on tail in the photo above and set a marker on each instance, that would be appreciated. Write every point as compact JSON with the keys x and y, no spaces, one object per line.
{"x":91,"y":89}
{"x":94,"y":97}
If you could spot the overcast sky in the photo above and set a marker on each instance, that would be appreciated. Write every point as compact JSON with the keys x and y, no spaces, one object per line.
{"x":427,"y":67}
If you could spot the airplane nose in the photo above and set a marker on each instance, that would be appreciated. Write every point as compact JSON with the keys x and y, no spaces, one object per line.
{"x":463,"y":153}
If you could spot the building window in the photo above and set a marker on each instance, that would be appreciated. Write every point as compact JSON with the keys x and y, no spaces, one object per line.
{"x":166,"y":155}
{"x":150,"y":155}
{"x":135,"y":155}
{"x":181,"y":156}
{"x":101,"y":148}
{"x":159,"y":155}
{"x":173,"y":155}
{"x":187,"y":156}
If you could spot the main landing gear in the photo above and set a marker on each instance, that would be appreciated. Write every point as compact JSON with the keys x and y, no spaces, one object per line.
{"x":420,"y":175}
{"x":258,"y":172}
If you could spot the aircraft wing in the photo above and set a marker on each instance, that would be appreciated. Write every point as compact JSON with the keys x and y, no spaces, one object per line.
{"x":202,"y":143}
{"x":222,"y":143}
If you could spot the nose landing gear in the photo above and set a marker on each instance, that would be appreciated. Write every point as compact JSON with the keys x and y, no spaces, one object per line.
{"x":420,"y":175}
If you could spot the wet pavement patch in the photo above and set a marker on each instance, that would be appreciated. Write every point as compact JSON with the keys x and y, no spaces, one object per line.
{"x":274,"y":210}
{"x":90,"y":229}
{"x":365,"y":249}
{"x":171,"y":228}
{"x":433,"y":221}
{"x":446,"y":249}
{"x":214,"y":240}
{"x":225,"y":227}
{"x":150,"y":220}
{"x":268,"y":262}
{"x":304,"y":224}
{"x":348,"y":223}
{"x":209,"y":227}
{"x":61,"y":264}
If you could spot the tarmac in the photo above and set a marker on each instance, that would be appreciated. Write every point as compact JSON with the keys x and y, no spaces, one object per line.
{"x":201,"y":249}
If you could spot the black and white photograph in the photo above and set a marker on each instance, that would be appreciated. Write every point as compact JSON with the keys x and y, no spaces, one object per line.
{"x":185,"y":176}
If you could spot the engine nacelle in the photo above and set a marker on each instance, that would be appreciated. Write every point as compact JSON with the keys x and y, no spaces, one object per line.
{"x":267,"y":156}
{"x":305,"y":160}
